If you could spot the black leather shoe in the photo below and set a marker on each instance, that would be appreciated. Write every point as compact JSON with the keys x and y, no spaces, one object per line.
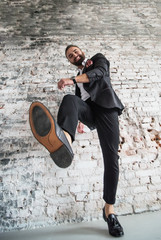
{"x":50,"y":135}
{"x":115,"y":228}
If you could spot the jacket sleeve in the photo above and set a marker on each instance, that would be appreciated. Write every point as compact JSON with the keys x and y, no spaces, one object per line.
{"x":99,"y":69}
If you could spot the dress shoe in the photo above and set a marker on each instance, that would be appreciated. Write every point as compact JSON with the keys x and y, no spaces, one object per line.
{"x":50,"y":135}
{"x":115,"y":228}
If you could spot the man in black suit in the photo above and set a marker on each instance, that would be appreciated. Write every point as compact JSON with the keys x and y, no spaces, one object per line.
{"x":94,"y":104}
{"x":97,"y":106}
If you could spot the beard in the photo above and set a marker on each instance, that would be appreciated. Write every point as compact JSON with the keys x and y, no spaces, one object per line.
{"x":79,"y":62}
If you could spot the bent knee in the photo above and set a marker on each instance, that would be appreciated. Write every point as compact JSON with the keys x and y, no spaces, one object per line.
{"x":69,"y":98}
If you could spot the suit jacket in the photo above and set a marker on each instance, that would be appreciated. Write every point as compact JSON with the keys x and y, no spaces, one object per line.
{"x":99,"y":86}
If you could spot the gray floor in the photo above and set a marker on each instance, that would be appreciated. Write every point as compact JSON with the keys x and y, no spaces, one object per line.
{"x":145,"y":226}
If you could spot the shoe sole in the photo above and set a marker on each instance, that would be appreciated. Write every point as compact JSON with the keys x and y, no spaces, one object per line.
{"x":43,"y":128}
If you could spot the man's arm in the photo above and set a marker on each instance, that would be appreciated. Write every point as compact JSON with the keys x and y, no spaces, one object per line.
{"x":101,"y":68}
{"x":83,"y":78}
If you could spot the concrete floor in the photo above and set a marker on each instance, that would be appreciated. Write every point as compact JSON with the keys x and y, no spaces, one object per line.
{"x":146,"y":226}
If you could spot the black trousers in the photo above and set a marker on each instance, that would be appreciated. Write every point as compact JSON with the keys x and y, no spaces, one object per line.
{"x":106,"y":122}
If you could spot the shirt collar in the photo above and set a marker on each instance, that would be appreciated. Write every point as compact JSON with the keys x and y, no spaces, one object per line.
{"x":83,"y":63}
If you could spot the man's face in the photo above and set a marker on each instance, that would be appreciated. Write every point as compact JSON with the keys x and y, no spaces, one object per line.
{"x":75,"y":56}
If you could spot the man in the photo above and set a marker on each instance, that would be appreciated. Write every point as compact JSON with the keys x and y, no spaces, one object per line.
{"x":94,"y":104}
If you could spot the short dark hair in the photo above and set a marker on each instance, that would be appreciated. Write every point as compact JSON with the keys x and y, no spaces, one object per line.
{"x":69,"y":46}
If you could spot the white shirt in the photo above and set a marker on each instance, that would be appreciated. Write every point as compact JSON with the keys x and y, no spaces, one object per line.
{"x":84,"y":94}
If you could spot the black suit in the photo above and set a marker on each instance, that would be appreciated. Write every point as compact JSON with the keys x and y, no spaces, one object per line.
{"x":99,"y":87}
{"x":100,"y":111}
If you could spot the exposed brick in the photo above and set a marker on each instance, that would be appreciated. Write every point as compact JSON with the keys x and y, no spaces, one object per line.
{"x":33,"y":191}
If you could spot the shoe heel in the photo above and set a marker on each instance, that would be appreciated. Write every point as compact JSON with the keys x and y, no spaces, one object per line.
{"x":62,"y":157}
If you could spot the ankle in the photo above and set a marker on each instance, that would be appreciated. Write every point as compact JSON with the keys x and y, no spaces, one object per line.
{"x":109,"y":209}
{"x":68,"y":137}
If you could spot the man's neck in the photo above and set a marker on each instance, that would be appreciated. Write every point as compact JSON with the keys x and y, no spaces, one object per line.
{"x":83,"y":64}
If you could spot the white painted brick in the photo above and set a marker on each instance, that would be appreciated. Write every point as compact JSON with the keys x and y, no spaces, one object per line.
{"x":131,"y":159}
{"x":63,"y":190}
{"x":134,"y":182}
{"x":85,"y":156}
{"x":87,"y":164}
{"x":95,"y":195}
{"x":155,"y":179}
{"x":74,"y":180}
{"x":140,"y":209}
{"x":73,"y":173}
{"x":89,"y":206}
{"x":95,"y":142}
{"x":156,"y":187}
{"x":84,"y":136}
{"x":129,"y":175}
{"x":140,"y":189}
{"x":143,"y":165}
{"x":144,"y":180}
{"x":84,"y":143}
{"x":76,"y":188}
{"x":50,"y":192}
{"x":55,"y":195}
{"x":155,"y":207}
{"x":24,"y":213}
{"x":145,"y":173}
{"x":61,"y":174}
{"x":124,"y":209}
{"x":82,"y":197}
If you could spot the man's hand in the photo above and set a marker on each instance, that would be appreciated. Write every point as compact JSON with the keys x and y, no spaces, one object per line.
{"x":80,"y":127}
{"x":89,"y":63}
{"x":64,"y":82}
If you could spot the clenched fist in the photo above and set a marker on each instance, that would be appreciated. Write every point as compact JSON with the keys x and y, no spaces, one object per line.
{"x":64,"y":82}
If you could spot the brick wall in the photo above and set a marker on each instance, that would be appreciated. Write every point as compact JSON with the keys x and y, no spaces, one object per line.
{"x":34,"y":192}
